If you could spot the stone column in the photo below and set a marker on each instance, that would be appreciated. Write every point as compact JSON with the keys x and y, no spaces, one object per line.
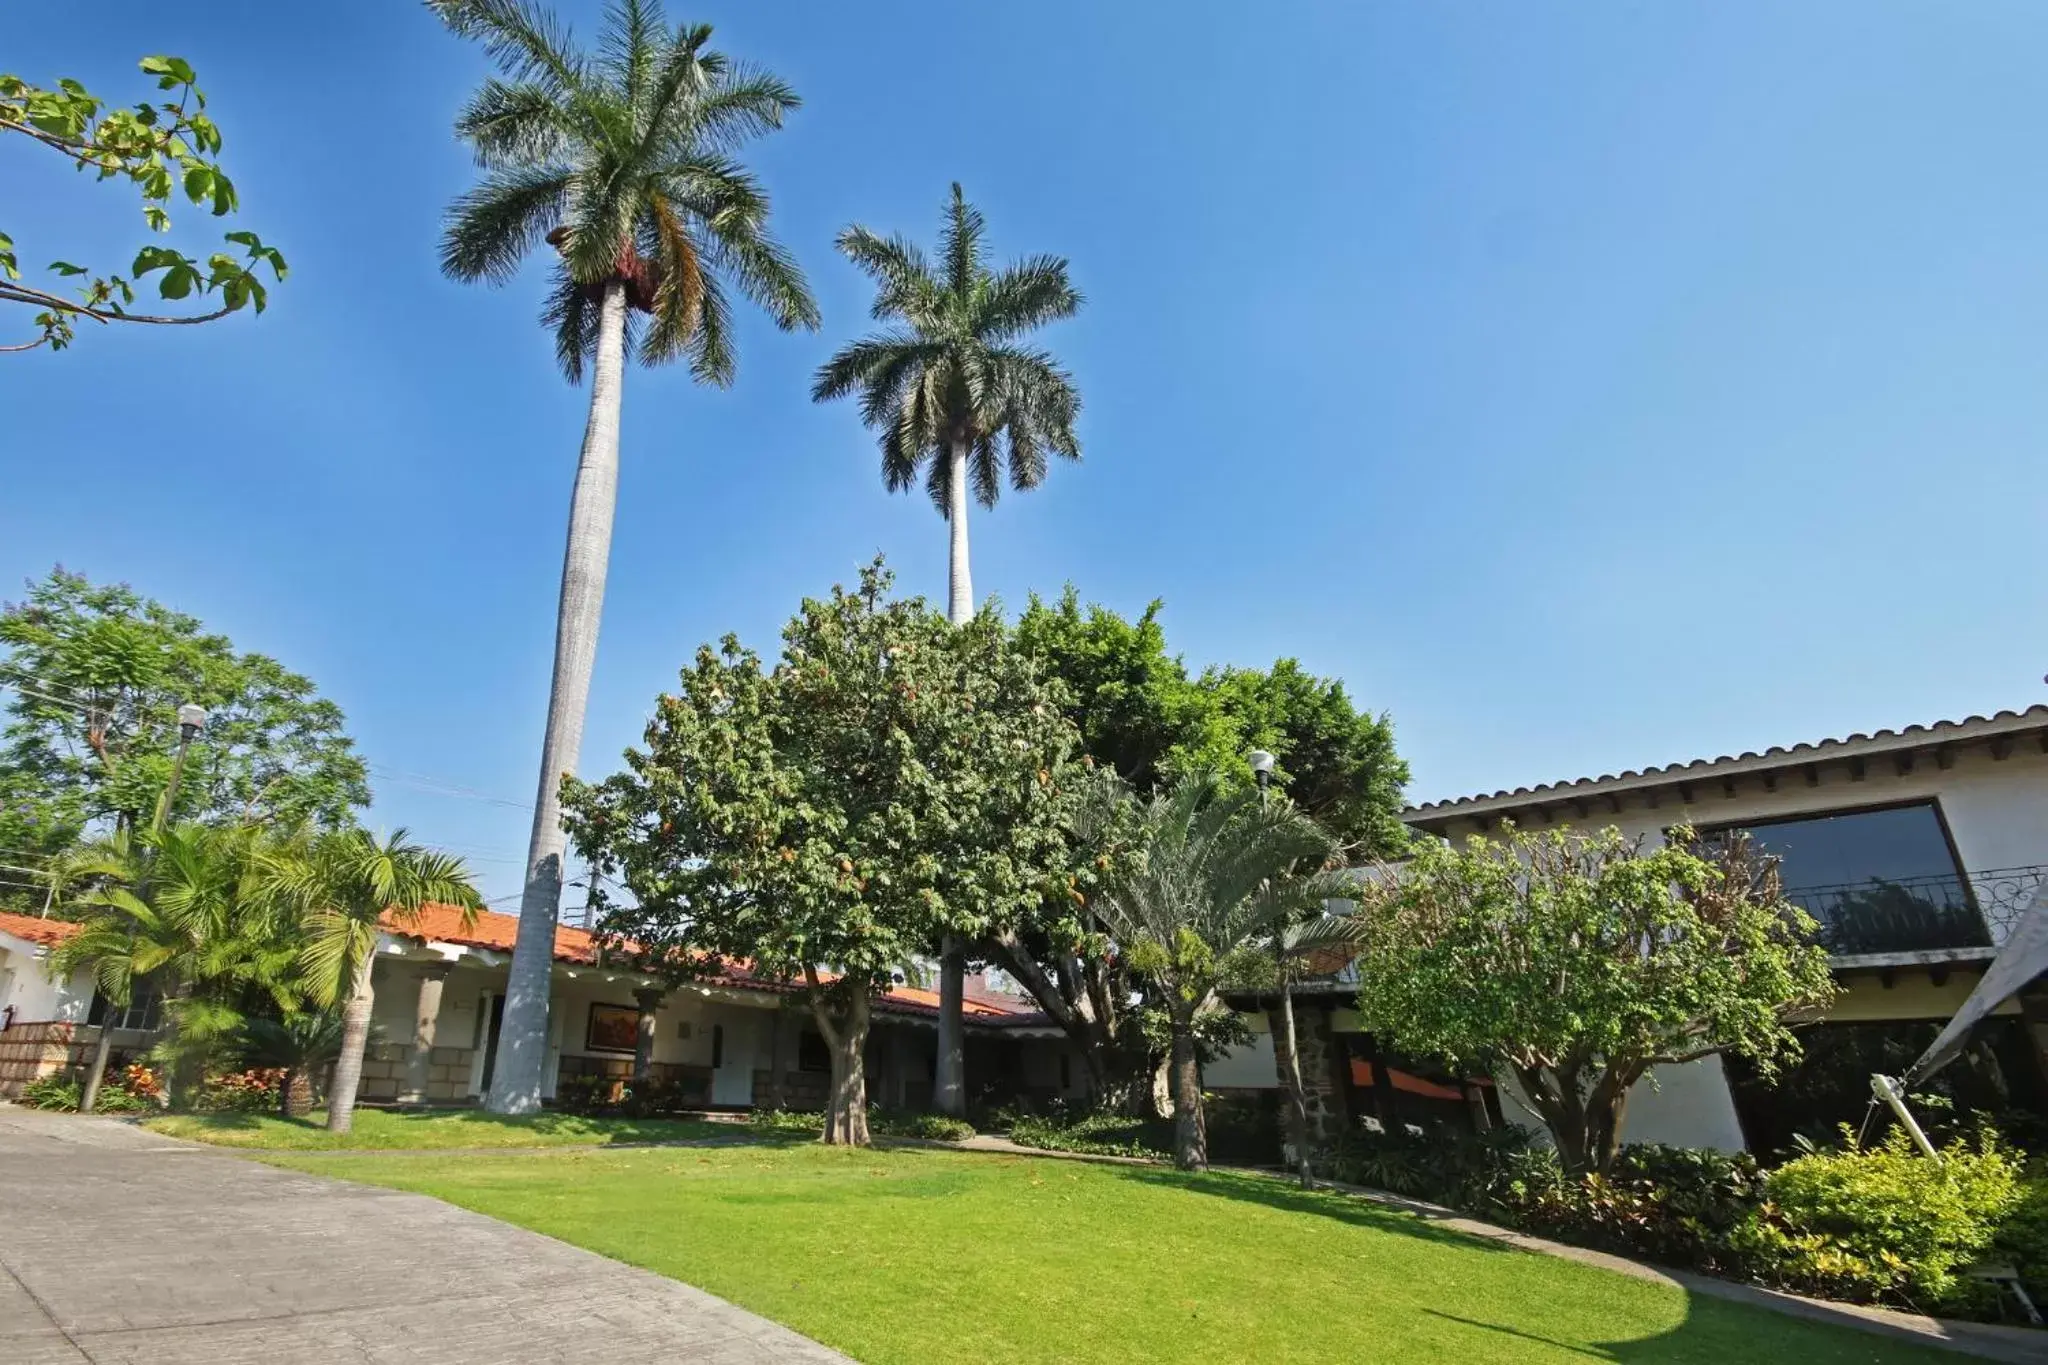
{"x":420,"y":1061}
{"x":649,"y":999}
{"x":1315,"y":1041}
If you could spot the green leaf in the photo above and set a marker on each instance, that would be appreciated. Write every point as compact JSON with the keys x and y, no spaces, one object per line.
{"x":243,"y":237}
{"x":198,"y":182}
{"x":157,"y":219}
{"x":178,"y":282}
{"x":66,"y":268}
{"x":174,"y":70}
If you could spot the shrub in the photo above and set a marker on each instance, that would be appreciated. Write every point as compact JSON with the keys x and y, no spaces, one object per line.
{"x":54,"y":1091}
{"x":1882,"y":1222}
{"x":1097,"y":1135}
{"x":588,"y":1095}
{"x":254,"y":1091}
{"x":881,"y":1123}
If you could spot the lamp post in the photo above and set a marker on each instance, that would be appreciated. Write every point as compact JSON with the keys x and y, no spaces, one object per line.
{"x":191,"y":720}
{"x":1262,"y":772}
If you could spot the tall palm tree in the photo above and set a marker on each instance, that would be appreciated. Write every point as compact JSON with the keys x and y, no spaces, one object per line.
{"x":342,"y":884}
{"x":951,"y":391}
{"x":622,"y":160}
{"x":955,"y":395}
{"x":1186,"y":897}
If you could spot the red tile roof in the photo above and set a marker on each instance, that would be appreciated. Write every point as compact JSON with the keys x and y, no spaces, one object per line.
{"x":47,"y":932}
{"x":497,"y":933}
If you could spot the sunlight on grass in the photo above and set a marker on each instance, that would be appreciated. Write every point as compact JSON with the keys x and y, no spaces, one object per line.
{"x":918,"y":1256}
{"x":428,"y":1129}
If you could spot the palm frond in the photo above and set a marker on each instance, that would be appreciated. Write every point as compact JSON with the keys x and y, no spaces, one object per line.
{"x":1024,"y":297}
{"x":512,"y":126}
{"x":960,"y":244}
{"x":572,"y":316}
{"x":490,"y":228}
{"x":523,"y":39}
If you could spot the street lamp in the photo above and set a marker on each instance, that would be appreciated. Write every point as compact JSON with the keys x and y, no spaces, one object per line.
{"x":191,"y":720}
{"x":1262,"y":771}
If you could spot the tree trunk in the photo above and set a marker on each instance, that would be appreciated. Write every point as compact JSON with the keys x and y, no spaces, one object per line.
{"x":1555,"y":1093}
{"x":1190,"y":1140}
{"x":295,"y":1096}
{"x":516,"y":1078}
{"x":959,"y":579}
{"x":846,"y":1111}
{"x":355,"y":1036}
{"x":1297,"y":1096}
{"x":775,"y":1059}
{"x":94,"y":1078}
{"x":949,"y":1075}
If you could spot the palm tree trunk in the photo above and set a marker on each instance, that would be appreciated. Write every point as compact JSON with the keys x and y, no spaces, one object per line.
{"x":1190,"y":1142}
{"x":949,"y":1072}
{"x":355,"y":1036}
{"x":523,"y":1040}
{"x":295,"y":1096}
{"x":1297,"y":1097}
{"x":959,"y":578}
{"x":90,"y":1096}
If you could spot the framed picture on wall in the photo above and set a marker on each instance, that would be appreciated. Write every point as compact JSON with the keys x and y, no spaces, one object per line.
{"x":613,"y":1028}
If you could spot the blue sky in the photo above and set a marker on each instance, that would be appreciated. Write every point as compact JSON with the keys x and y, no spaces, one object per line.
{"x":1588,"y":385}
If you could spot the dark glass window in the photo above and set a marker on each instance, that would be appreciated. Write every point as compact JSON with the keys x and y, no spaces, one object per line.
{"x":144,"y":1012}
{"x":811,"y":1053}
{"x":717,"y":1046}
{"x":1879,"y":881}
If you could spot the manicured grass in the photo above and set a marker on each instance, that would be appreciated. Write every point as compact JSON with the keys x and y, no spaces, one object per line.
{"x":922,"y":1256}
{"x":428,"y":1129}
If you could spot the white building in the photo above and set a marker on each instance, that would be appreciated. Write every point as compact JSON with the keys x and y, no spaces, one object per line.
{"x":730,"y":1041}
{"x":1915,"y":849}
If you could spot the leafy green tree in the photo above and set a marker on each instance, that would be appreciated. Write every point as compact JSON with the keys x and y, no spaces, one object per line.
{"x":188,"y":908}
{"x":1579,"y":961}
{"x":164,"y":149}
{"x":1142,"y":713}
{"x":623,"y":160}
{"x":953,"y":395}
{"x":1186,"y":899}
{"x":341,"y":885}
{"x":1337,"y":763}
{"x":890,"y":779}
{"x":95,"y":675}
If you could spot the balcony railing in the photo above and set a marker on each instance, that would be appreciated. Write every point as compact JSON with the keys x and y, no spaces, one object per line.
{"x":1920,"y":914}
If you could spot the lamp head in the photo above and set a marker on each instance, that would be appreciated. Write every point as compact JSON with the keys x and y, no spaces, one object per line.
{"x":1262,"y":766}
{"x":191,"y":720}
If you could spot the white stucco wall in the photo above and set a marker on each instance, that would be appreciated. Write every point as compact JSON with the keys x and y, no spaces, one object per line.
{"x":1683,"y":1106}
{"x":29,"y":988}
{"x":1250,"y":1067}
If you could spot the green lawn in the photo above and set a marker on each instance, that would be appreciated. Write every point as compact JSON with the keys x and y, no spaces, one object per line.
{"x":920,"y":1256}
{"x":427,"y":1129}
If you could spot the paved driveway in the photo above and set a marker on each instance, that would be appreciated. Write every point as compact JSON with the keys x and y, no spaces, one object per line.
{"x":118,"y":1245}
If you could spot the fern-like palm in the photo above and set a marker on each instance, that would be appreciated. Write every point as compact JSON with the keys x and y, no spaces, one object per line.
{"x":1201,"y":877}
{"x":954,"y":394}
{"x":623,"y":159}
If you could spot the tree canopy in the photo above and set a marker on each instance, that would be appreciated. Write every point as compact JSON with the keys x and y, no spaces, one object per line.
{"x":1579,"y":961}
{"x":828,"y":816}
{"x":1141,"y":712}
{"x":164,"y":149}
{"x":621,"y":157}
{"x":94,"y":675}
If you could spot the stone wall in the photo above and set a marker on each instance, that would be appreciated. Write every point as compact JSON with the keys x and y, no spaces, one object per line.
{"x":384,"y":1073}
{"x":1320,"y":1059}
{"x":805,"y":1090}
{"x":29,"y":1052}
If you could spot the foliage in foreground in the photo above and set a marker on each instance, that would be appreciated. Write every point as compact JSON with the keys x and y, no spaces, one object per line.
{"x":428,"y":1130}
{"x":1869,"y":1224}
{"x":885,"y":1122}
{"x":163,"y":149}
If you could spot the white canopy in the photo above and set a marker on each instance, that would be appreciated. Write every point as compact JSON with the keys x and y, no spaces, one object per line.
{"x":2022,"y":957}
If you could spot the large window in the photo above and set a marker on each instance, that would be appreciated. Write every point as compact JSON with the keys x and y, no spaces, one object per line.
{"x":1879,"y":881}
{"x":144,"y":1011}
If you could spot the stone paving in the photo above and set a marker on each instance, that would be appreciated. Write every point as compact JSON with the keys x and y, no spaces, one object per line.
{"x":117,"y":1245}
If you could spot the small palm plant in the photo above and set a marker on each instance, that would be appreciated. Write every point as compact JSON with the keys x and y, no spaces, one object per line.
{"x":623,"y":160}
{"x":1190,"y":895}
{"x":302,"y":1045}
{"x":952,"y":392}
{"x":343,"y":884}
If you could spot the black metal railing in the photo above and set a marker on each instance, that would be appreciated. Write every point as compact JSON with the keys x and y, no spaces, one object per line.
{"x":1920,"y":914}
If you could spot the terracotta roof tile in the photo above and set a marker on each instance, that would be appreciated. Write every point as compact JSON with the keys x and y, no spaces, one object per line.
{"x":1912,"y":734}
{"x":497,"y":933}
{"x":46,"y":932}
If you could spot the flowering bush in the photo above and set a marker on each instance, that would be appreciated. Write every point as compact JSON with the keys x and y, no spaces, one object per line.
{"x":243,"y":1092}
{"x":144,"y":1084}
